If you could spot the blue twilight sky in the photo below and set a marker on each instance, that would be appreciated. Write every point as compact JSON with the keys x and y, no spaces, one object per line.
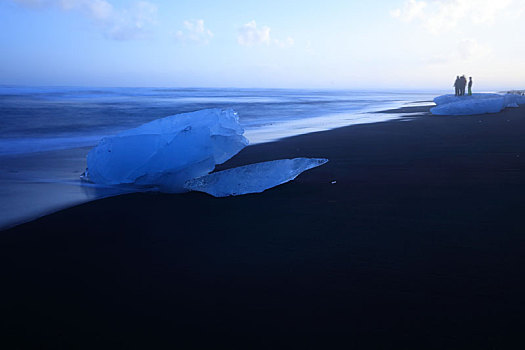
{"x":377,"y":44}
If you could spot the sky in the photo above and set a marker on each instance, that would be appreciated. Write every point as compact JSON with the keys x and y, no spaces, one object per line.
{"x":382,"y":44}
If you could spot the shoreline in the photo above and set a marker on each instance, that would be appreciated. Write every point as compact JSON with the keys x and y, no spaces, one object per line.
{"x":39,"y":184}
{"x":417,"y":244}
{"x":44,"y":182}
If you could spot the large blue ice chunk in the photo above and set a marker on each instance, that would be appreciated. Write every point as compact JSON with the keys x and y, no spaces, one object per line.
{"x":253,"y":178}
{"x":476,"y":104}
{"x":166,"y":152}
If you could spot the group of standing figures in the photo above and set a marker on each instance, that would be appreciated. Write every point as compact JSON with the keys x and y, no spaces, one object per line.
{"x":461,"y":83}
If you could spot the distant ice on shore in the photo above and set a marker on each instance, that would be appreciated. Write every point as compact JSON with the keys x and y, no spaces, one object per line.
{"x":480,"y":103}
{"x":176,"y":154}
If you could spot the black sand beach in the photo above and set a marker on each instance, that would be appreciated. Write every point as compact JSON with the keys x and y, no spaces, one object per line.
{"x":411,"y":237}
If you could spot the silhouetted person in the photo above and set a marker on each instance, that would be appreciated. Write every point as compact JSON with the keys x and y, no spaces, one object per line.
{"x":463,"y":84}
{"x":456,"y":85}
{"x":470,"y":86}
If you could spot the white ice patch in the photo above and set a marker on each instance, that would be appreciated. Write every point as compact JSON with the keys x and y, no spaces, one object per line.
{"x":165,"y":153}
{"x":475,"y":104}
{"x":253,"y":178}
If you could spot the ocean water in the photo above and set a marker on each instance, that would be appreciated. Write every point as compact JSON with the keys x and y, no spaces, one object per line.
{"x":46,"y":132}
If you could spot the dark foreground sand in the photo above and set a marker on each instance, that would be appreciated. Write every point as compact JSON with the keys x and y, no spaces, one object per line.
{"x":418,"y":245}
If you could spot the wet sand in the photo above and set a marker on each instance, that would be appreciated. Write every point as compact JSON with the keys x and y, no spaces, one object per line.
{"x":411,"y":237}
{"x":37,"y":184}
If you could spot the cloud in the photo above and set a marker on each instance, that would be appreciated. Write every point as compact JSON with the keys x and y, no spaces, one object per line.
{"x":32,"y":3}
{"x":465,"y":51}
{"x":195,"y":32}
{"x":469,"y":49}
{"x":444,"y":15}
{"x":288,"y":42}
{"x":119,"y":24}
{"x":131,"y":23}
{"x":250,"y":35}
{"x":411,"y":9}
{"x":99,"y":10}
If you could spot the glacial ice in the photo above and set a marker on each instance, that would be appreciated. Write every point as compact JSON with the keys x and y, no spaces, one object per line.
{"x":480,"y":103}
{"x":253,"y":178}
{"x":175,"y":154}
{"x":165,"y":153}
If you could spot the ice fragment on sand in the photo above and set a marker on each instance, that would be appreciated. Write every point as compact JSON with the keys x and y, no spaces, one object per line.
{"x":253,"y":178}
{"x":166,"y":152}
{"x":475,"y":104}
